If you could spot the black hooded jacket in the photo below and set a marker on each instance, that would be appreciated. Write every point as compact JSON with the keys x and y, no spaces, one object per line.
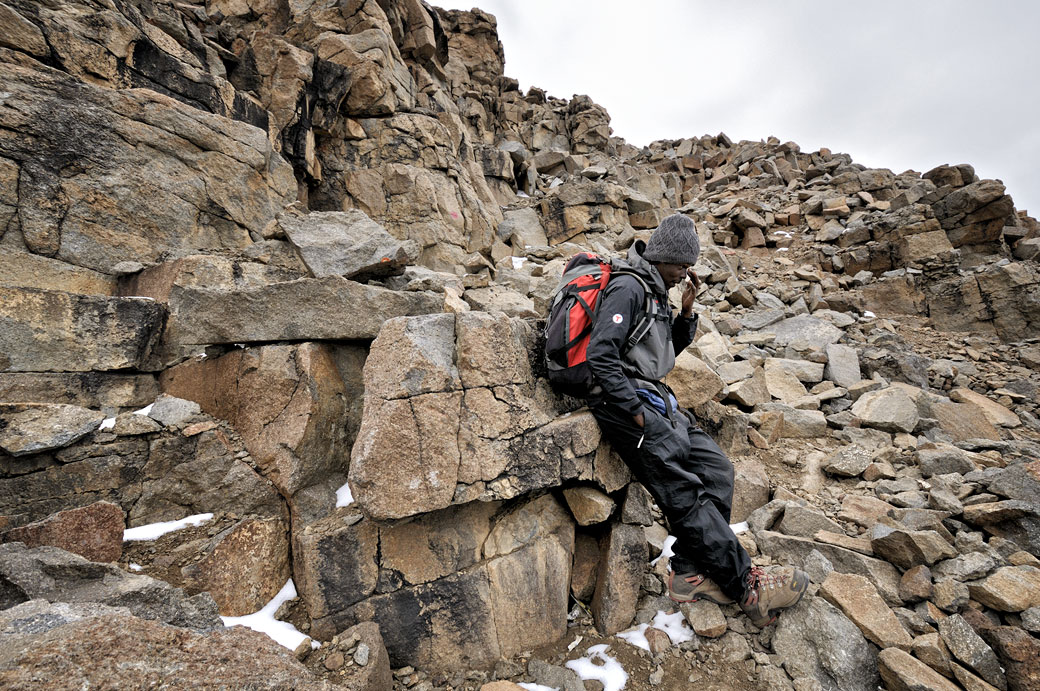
{"x":620,"y":308}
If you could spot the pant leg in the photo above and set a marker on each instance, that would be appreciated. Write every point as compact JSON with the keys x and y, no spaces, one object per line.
{"x":664,"y":464}
{"x":714,"y":469}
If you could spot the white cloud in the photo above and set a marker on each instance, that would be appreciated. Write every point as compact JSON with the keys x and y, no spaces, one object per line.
{"x":896,"y":85}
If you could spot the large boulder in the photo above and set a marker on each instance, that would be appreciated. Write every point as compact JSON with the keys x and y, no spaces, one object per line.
{"x":59,"y":645}
{"x":433,"y":582}
{"x":55,"y":575}
{"x":50,"y":331}
{"x":330,"y":308}
{"x":107,"y":176}
{"x":296,"y":407}
{"x":453,"y":412}
{"x":817,"y":641}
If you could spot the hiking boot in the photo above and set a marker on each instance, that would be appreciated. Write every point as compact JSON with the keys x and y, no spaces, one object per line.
{"x":690,"y":587}
{"x":768,"y":593}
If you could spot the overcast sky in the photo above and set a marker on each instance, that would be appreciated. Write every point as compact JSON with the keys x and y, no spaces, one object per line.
{"x":900,"y":84}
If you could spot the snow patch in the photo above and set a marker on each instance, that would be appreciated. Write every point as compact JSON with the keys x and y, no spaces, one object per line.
{"x":672,"y":624}
{"x":601,"y":667}
{"x":281,"y":632}
{"x":739,"y":528}
{"x":107,"y":423}
{"x":518,"y":262}
{"x":536,"y":687}
{"x":153,"y":531}
{"x":146,"y":410}
{"x":343,"y":496}
{"x":134,"y":567}
{"x":868,"y":314}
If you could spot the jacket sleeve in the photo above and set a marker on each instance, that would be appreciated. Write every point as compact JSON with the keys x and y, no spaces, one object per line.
{"x":683,"y":331}
{"x":619,"y":306}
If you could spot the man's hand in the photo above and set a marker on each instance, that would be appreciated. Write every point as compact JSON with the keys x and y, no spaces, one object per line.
{"x":638,"y":418}
{"x":690,"y":290}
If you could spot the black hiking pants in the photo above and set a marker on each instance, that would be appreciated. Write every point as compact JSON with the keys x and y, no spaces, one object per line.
{"x":691,"y":480}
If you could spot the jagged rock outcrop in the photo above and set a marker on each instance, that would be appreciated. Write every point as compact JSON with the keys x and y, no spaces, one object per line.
{"x":325,"y":232}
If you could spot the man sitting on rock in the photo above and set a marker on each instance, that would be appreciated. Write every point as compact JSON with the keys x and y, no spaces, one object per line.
{"x":682,"y":467}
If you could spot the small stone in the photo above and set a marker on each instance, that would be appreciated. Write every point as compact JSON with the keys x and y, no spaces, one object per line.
{"x":950,"y":595}
{"x":334,"y":661}
{"x":705,"y":618}
{"x":658,"y":640}
{"x":916,"y":584}
{"x":1009,"y":589}
{"x":361,"y":654}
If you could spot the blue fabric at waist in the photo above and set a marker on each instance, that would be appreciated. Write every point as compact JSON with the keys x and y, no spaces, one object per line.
{"x":654,"y":399}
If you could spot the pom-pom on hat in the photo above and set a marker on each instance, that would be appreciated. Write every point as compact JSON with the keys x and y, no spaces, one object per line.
{"x":674,"y":242}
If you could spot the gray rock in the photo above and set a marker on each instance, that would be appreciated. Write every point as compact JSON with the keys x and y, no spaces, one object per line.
{"x":968,"y":647}
{"x":806,"y":371}
{"x":817,"y":641}
{"x":1020,"y":481}
{"x":759,"y":319}
{"x":816,"y":332}
{"x":172,"y":411}
{"x":806,"y":522}
{"x":622,"y":555}
{"x":941,"y":459}
{"x":346,"y":243}
{"x":554,"y":676}
{"x":174,"y":177}
{"x":522,"y":228}
{"x":891,"y":410}
{"x":848,"y":462}
{"x":795,"y":550}
{"x":306,"y":309}
{"x":52,"y":331}
{"x":842,"y":365}
{"x":966,"y":567}
{"x":28,"y":428}
{"x":55,"y":575}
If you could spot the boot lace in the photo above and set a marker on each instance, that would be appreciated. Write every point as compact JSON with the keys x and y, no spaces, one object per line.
{"x":758,"y":579}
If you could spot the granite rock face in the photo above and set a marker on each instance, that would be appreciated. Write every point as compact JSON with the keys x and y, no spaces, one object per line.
{"x":316,"y":239}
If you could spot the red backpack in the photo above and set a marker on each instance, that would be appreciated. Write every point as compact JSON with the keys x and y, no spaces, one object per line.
{"x":572,"y":314}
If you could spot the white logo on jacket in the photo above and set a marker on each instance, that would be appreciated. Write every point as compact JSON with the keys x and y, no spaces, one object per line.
{"x":617,"y":318}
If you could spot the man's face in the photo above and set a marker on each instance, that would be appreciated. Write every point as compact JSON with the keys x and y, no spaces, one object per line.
{"x":672,"y":273}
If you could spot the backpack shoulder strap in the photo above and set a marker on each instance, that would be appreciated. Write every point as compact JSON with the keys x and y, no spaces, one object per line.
{"x":649,"y":313}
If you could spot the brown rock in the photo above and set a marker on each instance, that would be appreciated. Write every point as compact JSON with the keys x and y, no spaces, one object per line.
{"x":705,"y":618}
{"x":916,"y":584}
{"x":930,"y":649}
{"x":95,"y":390}
{"x":692,"y":381}
{"x":901,"y":672}
{"x":586,"y":565}
{"x":51,"y":331}
{"x":750,"y":488}
{"x":123,"y":651}
{"x":623,"y":555}
{"x":245,"y":567}
{"x":296,"y":411}
{"x":94,"y":532}
{"x":1008,"y":589}
{"x":859,"y":600}
{"x":995,"y":413}
{"x":1020,"y":655}
{"x":588,"y":505}
{"x":658,"y":640}
{"x":374,"y":674}
{"x":861,"y":510}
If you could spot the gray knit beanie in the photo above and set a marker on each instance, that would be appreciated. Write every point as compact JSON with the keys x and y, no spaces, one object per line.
{"x":674,"y":242}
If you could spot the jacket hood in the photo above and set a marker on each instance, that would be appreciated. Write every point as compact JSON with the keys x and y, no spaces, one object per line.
{"x":640,"y":265}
